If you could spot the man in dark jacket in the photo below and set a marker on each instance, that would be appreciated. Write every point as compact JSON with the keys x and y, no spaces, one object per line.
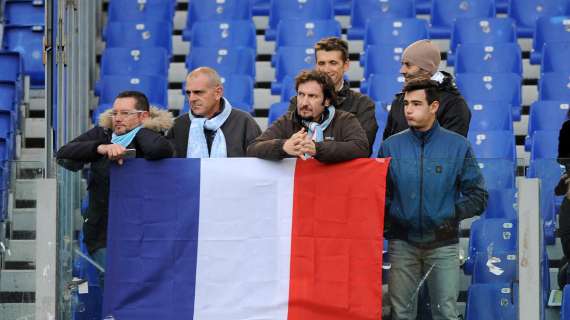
{"x":212,"y":128}
{"x":331,"y":55}
{"x":434,"y":182}
{"x":420,"y":61}
{"x":315,"y":129}
{"x":130,"y":128}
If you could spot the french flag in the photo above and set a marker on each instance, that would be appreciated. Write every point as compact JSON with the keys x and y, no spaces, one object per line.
{"x":245,"y":239}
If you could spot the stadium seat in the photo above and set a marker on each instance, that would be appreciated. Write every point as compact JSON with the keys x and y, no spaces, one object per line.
{"x":544,"y":145}
{"x":499,"y":267}
{"x":546,"y":115}
{"x":502,"y":6}
{"x":224,"y":60}
{"x":381,"y":114}
{"x":364,"y":10}
{"x":481,"y":31}
{"x":144,"y":61}
{"x":305,"y":32}
{"x":554,"y":86}
{"x":12,"y":70}
{"x":276,"y":111}
{"x":141,"y":11}
{"x":260,"y":7}
{"x":215,"y":10}
{"x":306,"y":9}
{"x":491,"y":116}
{"x":493,"y":144}
{"x":139,"y":35}
{"x":554,"y":57}
{"x":288,"y":90}
{"x":394,"y":31}
{"x":549,"y":29}
{"x":28,"y":42}
{"x":497,"y":301}
{"x":6,"y":126}
{"x":565,"y":309}
{"x":526,"y":12}
{"x":383,"y":87}
{"x":154,"y":87}
{"x":385,"y":59}
{"x":342,"y":7}
{"x":423,"y":6}
{"x":8,"y":96}
{"x":499,"y":174}
{"x":501,"y":204}
{"x":23,"y":13}
{"x":488,"y":58}
{"x":490,"y":237}
{"x":489,"y":87}
{"x":289,"y":61}
{"x":444,"y":13}
{"x":224,"y":34}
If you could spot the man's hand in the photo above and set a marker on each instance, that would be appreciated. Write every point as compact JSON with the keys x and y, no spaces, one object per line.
{"x":112,"y":151}
{"x":294,"y":144}
{"x":308,"y":147}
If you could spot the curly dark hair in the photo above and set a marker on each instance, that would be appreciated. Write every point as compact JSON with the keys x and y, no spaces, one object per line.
{"x":322,"y":79}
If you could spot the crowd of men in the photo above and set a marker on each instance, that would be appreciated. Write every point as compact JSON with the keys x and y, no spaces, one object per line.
{"x":434,"y":181}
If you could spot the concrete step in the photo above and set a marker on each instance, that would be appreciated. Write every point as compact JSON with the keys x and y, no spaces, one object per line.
{"x":18,"y":311}
{"x":24,"y":219}
{"x":22,"y":250}
{"x":25,"y":189}
{"x":18,"y":280}
{"x":35,"y":128}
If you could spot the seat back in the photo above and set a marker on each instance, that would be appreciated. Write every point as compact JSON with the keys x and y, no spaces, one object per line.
{"x":224,"y":34}
{"x":493,"y":144}
{"x":491,"y":116}
{"x":305,"y":32}
{"x":141,"y":11}
{"x":526,"y":12}
{"x":287,"y":9}
{"x":554,"y":86}
{"x":544,"y":145}
{"x":491,"y":58}
{"x":444,"y":13}
{"x":143,"y":61}
{"x":24,"y":13}
{"x":28,"y":42}
{"x":383,"y":87}
{"x":364,"y":10}
{"x":549,"y":29}
{"x":555,"y":57}
{"x":226,"y":61}
{"x":215,"y":10}
{"x":139,"y":35}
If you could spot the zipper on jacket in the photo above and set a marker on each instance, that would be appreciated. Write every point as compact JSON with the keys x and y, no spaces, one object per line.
{"x":421,"y":187}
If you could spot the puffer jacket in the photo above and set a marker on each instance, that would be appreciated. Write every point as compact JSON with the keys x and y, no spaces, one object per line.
{"x":434,"y":182}
{"x":149,"y":143}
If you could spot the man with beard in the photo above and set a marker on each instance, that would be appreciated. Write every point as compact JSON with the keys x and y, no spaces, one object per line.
{"x":316,"y":129}
{"x":420,"y":61}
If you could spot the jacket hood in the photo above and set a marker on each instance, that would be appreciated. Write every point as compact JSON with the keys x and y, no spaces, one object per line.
{"x":448,"y":84}
{"x":159,"y":120}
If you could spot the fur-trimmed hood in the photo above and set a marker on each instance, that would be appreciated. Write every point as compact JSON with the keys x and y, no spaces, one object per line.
{"x":160,"y":120}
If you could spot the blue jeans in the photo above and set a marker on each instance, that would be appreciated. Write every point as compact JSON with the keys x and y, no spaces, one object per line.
{"x":409,"y":266}
{"x":100,"y":257}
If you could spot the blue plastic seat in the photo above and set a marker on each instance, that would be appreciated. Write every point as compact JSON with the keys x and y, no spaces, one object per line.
{"x":383,"y":87}
{"x":394,"y":31}
{"x":381,"y":114}
{"x":490,"y":237}
{"x":565,"y":309}
{"x":497,"y":301}
{"x":555,"y":57}
{"x":364,"y":10}
{"x":215,"y":10}
{"x":154,"y":87}
{"x":137,"y":11}
{"x":289,"y":62}
{"x":6,"y":127}
{"x":483,"y":267}
{"x":144,"y":61}
{"x":305,"y":32}
{"x":444,"y":13}
{"x":224,"y":34}
{"x":481,"y":31}
{"x":502,"y":6}
{"x":276,"y":111}
{"x":492,"y":58}
{"x":28,"y":42}
{"x":526,"y":12}
{"x":546,"y":115}
{"x":554,"y":86}
{"x":12,"y":70}
{"x":490,"y":116}
{"x":24,"y":13}
{"x":226,"y":61}
{"x":8,"y":96}
{"x":549,"y":29}
{"x":288,"y":89}
{"x":139,"y":35}
{"x":493,"y":144}
{"x":385,"y":59}
{"x":499,"y":174}
{"x":423,"y":6}
{"x":544,"y":145}
{"x":260,"y":7}
{"x":342,"y":7}
{"x":305,"y":9}
{"x":492,"y":87}
{"x":501,"y":204}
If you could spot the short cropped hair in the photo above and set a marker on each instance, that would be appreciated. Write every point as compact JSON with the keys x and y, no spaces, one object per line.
{"x":322,"y":79}
{"x":333,"y":44}
{"x":430,"y":87}
{"x":140,"y":98}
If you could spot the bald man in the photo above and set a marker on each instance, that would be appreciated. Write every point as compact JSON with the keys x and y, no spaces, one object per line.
{"x":212,"y":128}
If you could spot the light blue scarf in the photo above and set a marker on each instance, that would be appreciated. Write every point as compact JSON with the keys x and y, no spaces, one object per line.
{"x":126,"y":138}
{"x":197,"y":145}
{"x":316,"y":129}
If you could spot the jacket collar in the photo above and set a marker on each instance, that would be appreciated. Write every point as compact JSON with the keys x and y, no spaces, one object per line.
{"x":425,"y":136}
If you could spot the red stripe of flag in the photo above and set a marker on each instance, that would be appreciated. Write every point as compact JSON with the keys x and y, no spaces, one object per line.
{"x":336,"y":246}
